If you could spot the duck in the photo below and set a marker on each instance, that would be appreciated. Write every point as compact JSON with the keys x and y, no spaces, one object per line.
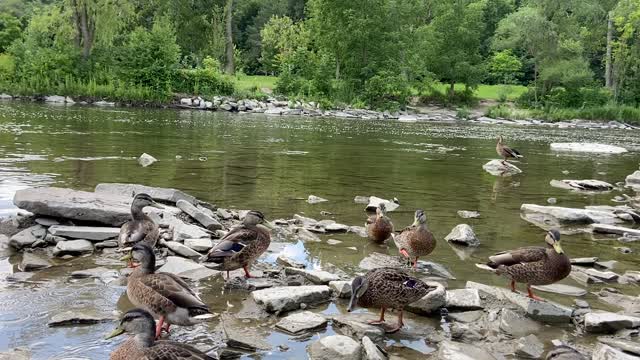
{"x":506,"y":152}
{"x":166,"y":296}
{"x":142,"y":344}
{"x":534,"y":265}
{"x":243,"y":245}
{"x":416,"y":240}
{"x":379,"y":226}
{"x":140,"y":228}
{"x":385,"y":288}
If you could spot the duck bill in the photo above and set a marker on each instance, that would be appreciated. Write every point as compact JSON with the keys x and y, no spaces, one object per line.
{"x":352,"y":302}
{"x":156,"y":205}
{"x":269,"y":225}
{"x":114,"y":333}
{"x":416,"y":223}
{"x":127,"y":258}
{"x":558,"y":248}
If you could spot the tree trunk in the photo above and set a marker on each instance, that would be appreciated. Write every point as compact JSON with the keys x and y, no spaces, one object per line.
{"x":452,"y":89}
{"x":535,"y":82}
{"x":230,"y":67}
{"x":337,"y":69}
{"x":608,"y":75}
{"x":87,"y":34}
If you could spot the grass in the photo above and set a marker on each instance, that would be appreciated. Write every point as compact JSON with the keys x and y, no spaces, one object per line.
{"x":250,"y":82}
{"x":489,"y":92}
{"x":627,"y":114}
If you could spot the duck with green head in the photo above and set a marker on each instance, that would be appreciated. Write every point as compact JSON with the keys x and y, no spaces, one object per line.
{"x":140,"y":228}
{"x":379,"y":226}
{"x":416,"y":240}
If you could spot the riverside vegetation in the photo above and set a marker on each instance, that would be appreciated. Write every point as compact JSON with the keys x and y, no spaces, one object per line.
{"x":545,"y":59}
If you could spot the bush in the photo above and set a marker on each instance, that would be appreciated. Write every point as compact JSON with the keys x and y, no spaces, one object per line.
{"x":7,"y":68}
{"x":386,"y":91}
{"x":202,"y":82}
{"x":560,"y":97}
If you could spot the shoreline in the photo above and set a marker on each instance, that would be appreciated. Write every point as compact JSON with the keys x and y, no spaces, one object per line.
{"x":276,"y":107}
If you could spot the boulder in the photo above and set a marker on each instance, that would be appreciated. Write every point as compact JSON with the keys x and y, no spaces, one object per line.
{"x":183,"y":231}
{"x":342,"y":289}
{"x":371,"y":350}
{"x":85,"y":232}
{"x":582,"y":185}
{"x":501,"y":168}
{"x":552,"y":216}
{"x":280,"y":299}
{"x":452,"y":350}
{"x":606,"y":352}
{"x":588,"y":148}
{"x":146,"y":160}
{"x":335,"y":347}
{"x":515,"y":325}
{"x":73,"y":247}
{"x":130,"y":190}
{"x":199,"y":215}
{"x":302,"y":322}
{"x":465,"y":214}
{"x":315,"y":199}
{"x":463,"y":235}
{"x":607,"y":322}
{"x":200,"y":245}
{"x":375,"y":201}
{"x":32,"y":262}
{"x":188,"y":269}
{"x":463,"y":299}
{"x":238,"y":335}
{"x":529,"y":347}
{"x":55,"y":99}
{"x":356,"y":327}
{"x":315,"y":276}
{"x":632,"y":347}
{"x":561,"y":289}
{"x":182,"y":250}
{"x":76,"y":317}
{"x":633,"y":180}
{"x":430,"y":303}
{"x":74,"y":205}
{"x":377,"y":260}
{"x":27,"y":237}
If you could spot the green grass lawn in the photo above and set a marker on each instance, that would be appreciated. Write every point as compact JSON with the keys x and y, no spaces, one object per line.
{"x":247,"y":82}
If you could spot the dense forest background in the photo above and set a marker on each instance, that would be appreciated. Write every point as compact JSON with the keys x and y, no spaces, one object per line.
{"x":570,"y":54}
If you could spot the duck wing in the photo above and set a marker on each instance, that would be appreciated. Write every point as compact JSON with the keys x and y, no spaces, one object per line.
{"x":171,"y":350}
{"x":176,"y":290}
{"x":513,"y":152}
{"x":133,"y":232}
{"x":233,"y":242}
{"x":518,"y":256}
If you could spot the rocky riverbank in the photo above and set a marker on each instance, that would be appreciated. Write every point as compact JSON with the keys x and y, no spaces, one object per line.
{"x":477,"y":321}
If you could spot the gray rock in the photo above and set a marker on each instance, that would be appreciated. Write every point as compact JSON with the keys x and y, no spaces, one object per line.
{"x":226,"y":107}
{"x":55,"y":99}
{"x":4,"y":96}
{"x":283,"y":260}
{"x":73,"y":247}
{"x":630,"y":277}
{"x":375,"y":201}
{"x":464,"y":299}
{"x":188,"y":269}
{"x":104,"y":103}
{"x":630,"y":304}
{"x":358,"y":230}
{"x":342,"y":289}
{"x":200,"y":245}
{"x":355,"y":327}
{"x":302,"y":322}
{"x":466,"y":317}
{"x":15,"y":354}
{"x":563,"y":351}
{"x":561,"y":289}
{"x":606,"y":264}
{"x":224,"y":214}
{"x":530,"y":347}
{"x":501,"y":168}
{"x":32,"y":262}
{"x":602,"y":275}
{"x":335,"y":227}
{"x":430,"y":303}
{"x":463,"y":235}
{"x":613,"y":229}
{"x":146,"y":160}
{"x":74,"y":205}
{"x":204,"y":219}
{"x":76,"y":317}
{"x":361,"y":199}
{"x":371,"y":350}
{"x":515,"y":325}
{"x":632,"y":347}
{"x":606,"y":352}
{"x":591,"y":261}
{"x":583,"y":185}
{"x":46,"y":222}
{"x":335,"y":347}
{"x":588,"y":148}
{"x":27,"y":237}
{"x":305,"y":235}
{"x":552,"y":201}
{"x":607,"y":322}
{"x":623,"y":249}
{"x":85,"y":232}
{"x":315,"y":200}
{"x":316,"y":276}
{"x":633,"y":180}
{"x":106,"y":244}
{"x":130,"y":190}
{"x":280,"y":299}
{"x":182,"y":250}
{"x":183,"y":231}
{"x":465,"y":214}
{"x":238,"y":336}
{"x":334,"y":242}
{"x":551,"y":216}
{"x":451,"y":350}
{"x":580,"y":275}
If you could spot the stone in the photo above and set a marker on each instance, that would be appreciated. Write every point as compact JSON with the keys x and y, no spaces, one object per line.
{"x":606,"y":264}
{"x":200,"y":245}
{"x":4,"y":96}
{"x":342,"y":289}
{"x":335,"y":227}
{"x":73,"y":247}
{"x":315,"y":200}
{"x":97,"y":273}
{"x":183,"y":231}
{"x":466,"y":317}
{"x":588,"y":148}
{"x":335,"y":347}
{"x":581,"y":276}
{"x":552,"y":201}
{"x":375,"y":201}
{"x":106,"y":244}
{"x":529,"y":347}
{"x":430,"y":303}
{"x":238,"y":336}
{"x":553,"y":216}
{"x":602,"y":275}
{"x":361,"y":199}
{"x":607,"y":322}
{"x":280,"y":299}
{"x":305,"y":235}
{"x":452,"y":350}
{"x":159,"y":194}
{"x":582,"y":185}
{"x":606,"y":352}
{"x":613,"y":229}
{"x":76,"y":317}
{"x":85,"y":232}
{"x":46,"y":222}
{"x":630,"y":304}
{"x":463,"y":235}
{"x":182,"y":250}
{"x":633,"y":180}
{"x":302,"y":322}
{"x":316,"y":276}
{"x":189,"y":269}
{"x":32,"y":262}
{"x":146,"y":160}
{"x":224,"y":214}
{"x":632,"y":347}
{"x":355,"y":327}
{"x":589,"y":261}
{"x":623,"y":249}
{"x":104,"y":103}
{"x":631,"y":276}
{"x":283,"y":260}
{"x":465,"y":214}
{"x":501,"y":168}
{"x":55,"y":99}
{"x":74,"y":205}
{"x":515,"y":325}
{"x":464,"y":299}
{"x":15,"y":354}
{"x":204,"y":219}
{"x":27,"y":237}
{"x":371,"y":350}
{"x":334,"y":242}
{"x":358,"y":230}
{"x":561,"y":289}
{"x":377,"y":260}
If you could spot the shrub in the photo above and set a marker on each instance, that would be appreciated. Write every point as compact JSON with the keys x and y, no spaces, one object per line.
{"x":202,"y":82}
{"x":7,"y":68}
{"x":386,"y":91}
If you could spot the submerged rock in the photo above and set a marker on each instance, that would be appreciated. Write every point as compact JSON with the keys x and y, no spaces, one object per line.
{"x":238,"y":336}
{"x":146,"y":160}
{"x":607,"y":322}
{"x":302,"y":322}
{"x":375,"y":201}
{"x":606,"y":352}
{"x":77,"y":318}
{"x":463,"y":235}
{"x":501,"y":168}
{"x":452,"y":350}
{"x":315,"y":199}
{"x":588,"y":148}
{"x":32,"y":262}
{"x":73,"y":247}
{"x":582,"y":185}
{"x":465,"y":214}
{"x":280,"y":299}
{"x":335,"y":347}
{"x":548,"y":217}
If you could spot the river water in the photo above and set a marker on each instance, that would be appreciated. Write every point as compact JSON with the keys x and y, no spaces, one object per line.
{"x":272,"y":164}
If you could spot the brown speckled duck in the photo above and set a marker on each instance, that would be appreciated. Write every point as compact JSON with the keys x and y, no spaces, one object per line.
{"x":387,"y":288}
{"x":533,"y":265}
{"x":242,"y":245}
{"x":141,"y":344}
{"x":379,"y":226}
{"x":165,"y":296}
{"x":416,"y":240}
{"x":506,"y":152}
{"x":141,"y":228}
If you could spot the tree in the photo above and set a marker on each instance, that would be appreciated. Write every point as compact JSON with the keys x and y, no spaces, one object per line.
{"x":505,"y":66}
{"x":229,"y":66}
{"x":626,"y":52}
{"x":281,"y":37}
{"x":9,"y":30}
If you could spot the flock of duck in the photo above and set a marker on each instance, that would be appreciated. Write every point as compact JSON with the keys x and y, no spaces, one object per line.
{"x":169,"y":299}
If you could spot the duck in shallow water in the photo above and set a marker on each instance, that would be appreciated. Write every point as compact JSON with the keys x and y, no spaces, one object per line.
{"x":142,"y":345}
{"x":416,"y":240}
{"x":506,"y":152}
{"x":242,"y":245}
{"x":379,"y":226}
{"x":165,"y":296}
{"x":534,"y":265}
{"x":140,"y":228}
{"x":387,"y":288}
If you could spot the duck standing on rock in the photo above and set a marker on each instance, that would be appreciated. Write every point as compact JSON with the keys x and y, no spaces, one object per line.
{"x":242,"y":245}
{"x":142,"y":344}
{"x":379,"y":226}
{"x":416,"y":240}
{"x":164,"y":295}
{"x":141,"y":228}
{"x":506,"y":152}
{"x":387,"y":288}
{"x":533,"y":265}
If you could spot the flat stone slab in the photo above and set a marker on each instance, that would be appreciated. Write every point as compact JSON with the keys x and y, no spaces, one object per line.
{"x":279,"y":299}
{"x":183,"y":231}
{"x":587,"y":261}
{"x":182,"y":250}
{"x":200,"y":245}
{"x":77,"y":318}
{"x":452,"y":350}
{"x":500,"y":168}
{"x":516,"y":325}
{"x":582,"y":185}
{"x":335,"y":347}
{"x":626,"y":345}
{"x":466,"y":317}
{"x":556,"y":216}
{"x":607,"y":322}
{"x":588,"y":148}
{"x":237,"y":335}
{"x":32,"y":262}
{"x":606,"y":352}
{"x":73,"y":247}
{"x":302,"y":322}
{"x":377,"y":260}
{"x":74,"y":205}
{"x":355,"y":326}
{"x":199,"y":215}
{"x":371,"y":350}
{"x":188,"y":269}
{"x":465,"y":299}
{"x":130,"y":191}
{"x":85,"y":232}
{"x":319,"y":277}
{"x":561,"y":289}
{"x":430,"y":303}
{"x":612,"y":229}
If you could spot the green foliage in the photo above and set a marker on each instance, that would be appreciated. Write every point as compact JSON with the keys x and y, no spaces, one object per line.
{"x":202,"y":82}
{"x":505,"y":66}
{"x":463,"y":113}
{"x":386,"y":91}
{"x":9,"y":30}
{"x":7,"y":68}
{"x":281,"y":38}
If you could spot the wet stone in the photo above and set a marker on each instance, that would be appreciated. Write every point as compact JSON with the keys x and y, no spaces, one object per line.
{"x":200,"y":216}
{"x":46,"y":222}
{"x":16,"y":354}
{"x":189,"y":269}
{"x":608,"y":265}
{"x":85,"y":232}
{"x":430,"y":303}
{"x":316,"y":276}
{"x":182,"y":250}
{"x":501,"y":168}
{"x":530,"y":347}
{"x":356,"y":327}
{"x":302,"y":322}
{"x":200,"y":245}
{"x":452,"y":350}
{"x":466,"y":317}
{"x":589,"y":261}
{"x":606,"y":322}
{"x":73,"y":247}
{"x":237,"y":335}
{"x":77,"y":318}
{"x":465,"y":214}
{"x":342,"y":289}
{"x":27,"y":237}
{"x":32,"y":262}
{"x":279,"y":299}
{"x":106,"y":244}
{"x":283,"y":260}
{"x":467,"y":299}
{"x":335,"y":347}
{"x":463,"y":234}
{"x":606,"y":352}
{"x":561,"y":289}
{"x":602,"y":275}
{"x":371,"y":350}
{"x":632,"y":347}
{"x":516,"y":325}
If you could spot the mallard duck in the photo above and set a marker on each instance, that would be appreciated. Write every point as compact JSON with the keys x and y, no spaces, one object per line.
{"x":379,"y":226}
{"x":387,"y":288}
{"x":142,"y":345}
{"x":416,"y":240}
{"x":533,"y":265}
{"x":506,"y":152}
{"x":242,"y":245}
{"x":141,"y":228}
{"x":164,"y":295}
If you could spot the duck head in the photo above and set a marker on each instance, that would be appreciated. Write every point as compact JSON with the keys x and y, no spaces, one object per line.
{"x":553,"y":239}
